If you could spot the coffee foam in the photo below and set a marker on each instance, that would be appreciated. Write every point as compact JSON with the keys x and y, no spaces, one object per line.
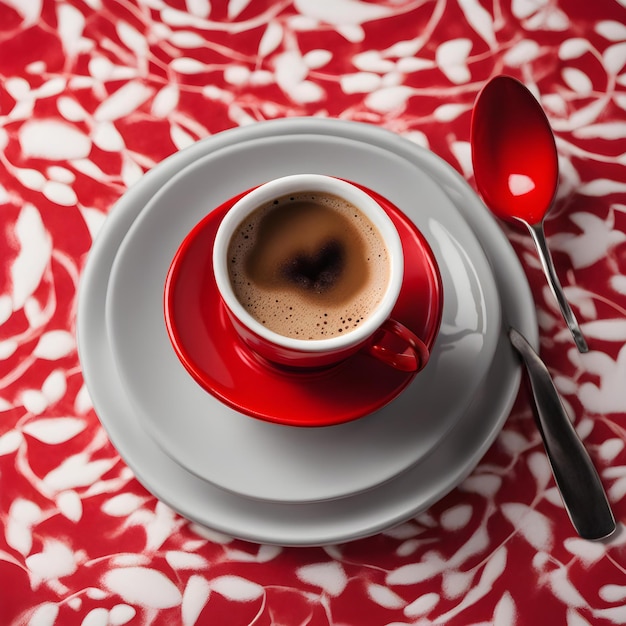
{"x":308,"y":266}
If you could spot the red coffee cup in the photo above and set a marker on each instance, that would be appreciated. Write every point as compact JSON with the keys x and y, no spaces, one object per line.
{"x":376,"y":331}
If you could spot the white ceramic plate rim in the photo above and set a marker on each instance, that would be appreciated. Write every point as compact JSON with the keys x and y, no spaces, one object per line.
{"x":269,"y":461}
{"x":316,"y":523}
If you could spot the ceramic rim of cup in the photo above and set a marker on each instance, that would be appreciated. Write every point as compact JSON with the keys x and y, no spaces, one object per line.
{"x":315,"y":183}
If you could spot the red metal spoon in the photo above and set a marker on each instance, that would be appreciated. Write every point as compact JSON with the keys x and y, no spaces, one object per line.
{"x":516,"y":169}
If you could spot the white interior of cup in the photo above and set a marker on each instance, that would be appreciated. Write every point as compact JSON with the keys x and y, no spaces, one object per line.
{"x":314,"y":183}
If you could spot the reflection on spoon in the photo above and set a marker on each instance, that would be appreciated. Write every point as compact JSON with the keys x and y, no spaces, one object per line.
{"x":520,"y":184}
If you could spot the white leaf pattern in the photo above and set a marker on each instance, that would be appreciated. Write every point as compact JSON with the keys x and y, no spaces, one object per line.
{"x":271,"y":39}
{"x":385,"y":597}
{"x":54,"y":344}
{"x":199,"y":8}
{"x":422,"y":605}
{"x":55,"y":561}
{"x":10,"y":442}
{"x":23,"y":515}
{"x":187,"y":65}
{"x":331,"y":577}
{"x":44,"y":614}
{"x":121,"y":614}
{"x":77,"y":471}
{"x":236,"y":588}
{"x":235,"y":7}
{"x":70,"y":505}
{"x":97,"y":94}
{"x":123,"y":102}
{"x":195,"y":596}
{"x":531,"y":524}
{"x":411,"y":574}
{"x":53,"y":140}
{"x":614,"y":57}
{"x":182,"y":560}
{"x":55,"y":430}
{"x":35,"y":250}
{"x":143,"y":586}
{"x":456,"y":517}
{"x":132,"y":38}
{"x":71,"y":26}
{"x":451,"y":58}
{"x":504,"y":614}
{"x":480,"y":20}
{"x":122,"y":504}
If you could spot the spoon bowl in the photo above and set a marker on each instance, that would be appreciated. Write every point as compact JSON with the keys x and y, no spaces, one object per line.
{"x":516,"y":169}
{"x":514,"y":152}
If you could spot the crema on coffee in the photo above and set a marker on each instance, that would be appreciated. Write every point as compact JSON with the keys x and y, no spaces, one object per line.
{"x":308,"y":265}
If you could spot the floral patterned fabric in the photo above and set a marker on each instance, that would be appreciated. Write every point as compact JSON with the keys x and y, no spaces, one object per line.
{"x":93,"y":93}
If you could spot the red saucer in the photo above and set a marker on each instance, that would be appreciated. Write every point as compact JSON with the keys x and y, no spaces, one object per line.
{"x":211,"y":351}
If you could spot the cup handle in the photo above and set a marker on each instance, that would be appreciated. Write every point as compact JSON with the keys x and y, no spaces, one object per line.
{"x":414,"y":356}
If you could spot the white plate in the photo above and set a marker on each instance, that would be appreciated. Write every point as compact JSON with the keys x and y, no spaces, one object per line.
{"x":273,"y":462}
{"x":304,"y":523}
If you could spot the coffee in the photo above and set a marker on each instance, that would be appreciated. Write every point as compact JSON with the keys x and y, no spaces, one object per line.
{"x":308,"y":265}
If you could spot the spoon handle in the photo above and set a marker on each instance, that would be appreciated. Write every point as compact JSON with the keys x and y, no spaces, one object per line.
{"x":574,"y":472}
{"x":539,"y":237}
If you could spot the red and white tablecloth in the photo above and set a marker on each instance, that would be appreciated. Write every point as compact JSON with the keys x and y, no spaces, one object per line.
{"x":93,"y":93}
